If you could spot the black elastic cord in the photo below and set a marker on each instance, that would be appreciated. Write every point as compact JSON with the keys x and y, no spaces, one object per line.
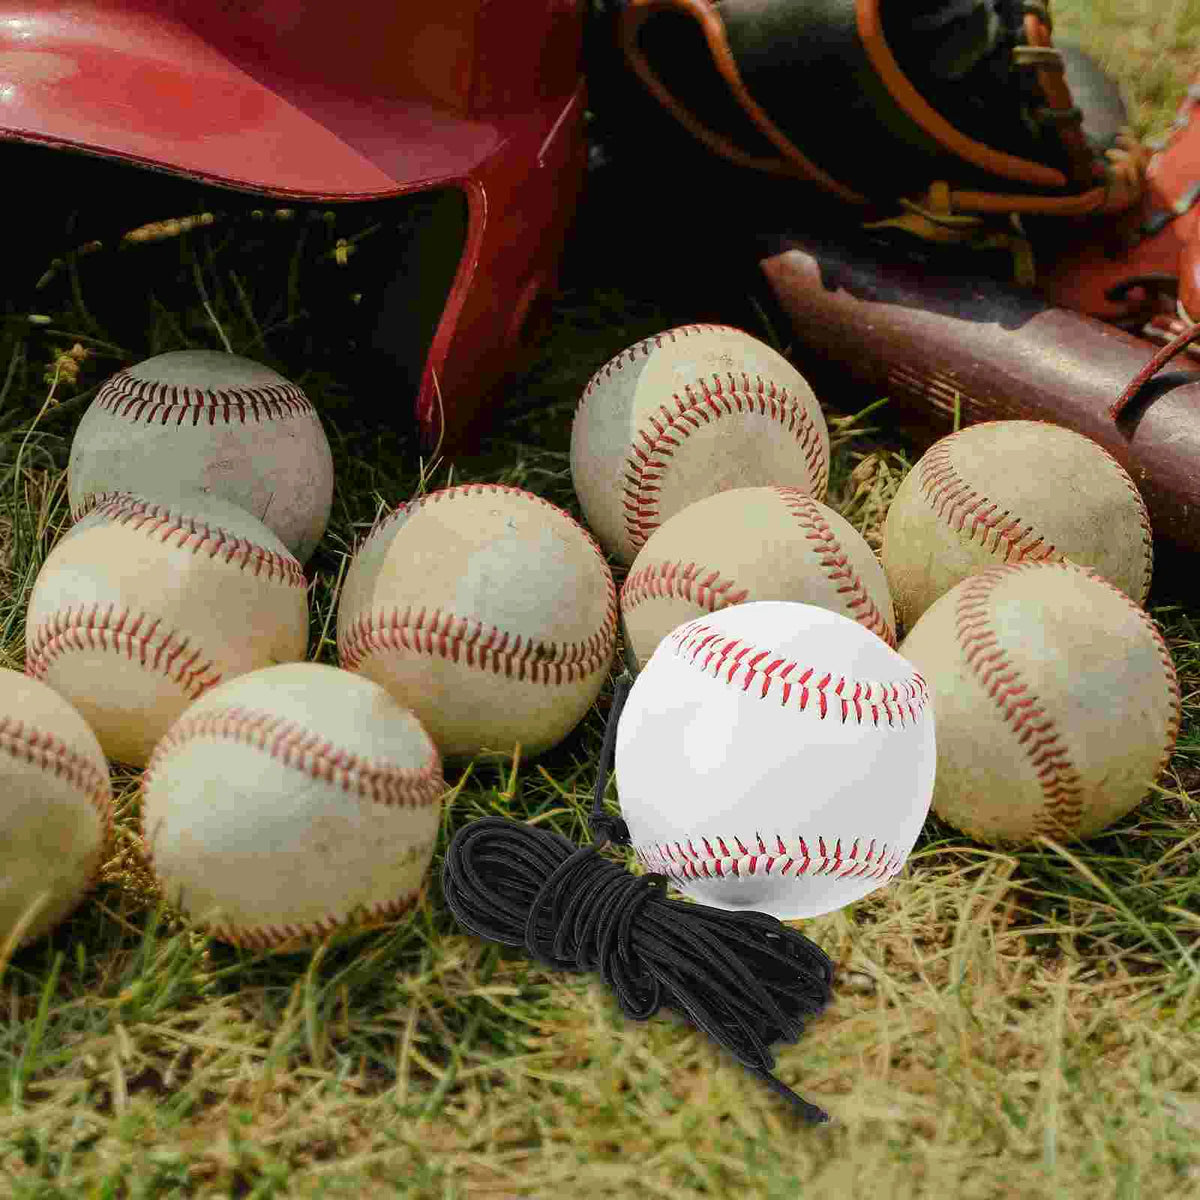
{"x":743,"y":978}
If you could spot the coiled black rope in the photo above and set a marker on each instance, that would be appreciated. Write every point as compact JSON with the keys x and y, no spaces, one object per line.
{"x":743,"y":978}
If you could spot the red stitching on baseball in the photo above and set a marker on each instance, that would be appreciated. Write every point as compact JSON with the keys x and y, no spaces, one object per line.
{"x":140,"y":635}
{"x":1035,"y":730}
{"x":120,"y":632}
{"x":51,"y":753}
{"x":703,"y":405}
{"x":408,"y":507}
{"x":957,"y":502}
{"x":196,"y":535}
{"x":1147,"y":529}
{"x":465,"y":639}
{"x":1172,"y":682}
{"x":642,"y":349}
{"x":267,"y":937}
{"x":832,"y":556}
{"x":150,"y":401}
{"x":677,"y":580}
{"x":296,"y":748}
{"x":859,"y":701}
{"x":684,"y":863}
{"x":1034,"y":727}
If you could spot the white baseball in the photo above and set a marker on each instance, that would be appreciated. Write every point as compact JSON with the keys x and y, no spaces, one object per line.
{"x":1058,"y":702}
{"x":762,"y":543}
{"x":690,"y":412}
{"x":488,"y":611}
{"x":1010,"y":491}
{"x":143,"y":606}
{"x":205,"y":421}
{"x":292,"y":802}
{"x":55,"y":808}
{"x":775,"y":756}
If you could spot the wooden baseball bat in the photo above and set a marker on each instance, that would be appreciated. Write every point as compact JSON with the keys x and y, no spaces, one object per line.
{"x":938,"y":345}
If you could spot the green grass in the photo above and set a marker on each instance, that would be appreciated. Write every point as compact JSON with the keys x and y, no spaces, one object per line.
{"x":1151,"y":46}
{"x":1005,"y":1024}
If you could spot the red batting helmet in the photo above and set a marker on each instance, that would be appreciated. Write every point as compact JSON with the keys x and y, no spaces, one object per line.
{"x":315,"y":102}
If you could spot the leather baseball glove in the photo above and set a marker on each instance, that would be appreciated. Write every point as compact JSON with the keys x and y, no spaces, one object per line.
{"x":950,"y":119}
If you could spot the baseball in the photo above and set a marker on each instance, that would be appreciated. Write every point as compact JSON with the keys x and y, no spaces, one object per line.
{"x":775,"y":756}
{"x":291,"y":802}
{"x":205,"y":421}
{"x":1058,"y":703}
{"x":1011,"y":491}
{"x":143,"y":606}
{"x":488,"y":611}
{"x":55,"y":808}
{"x":761,"y":543}
{"x":690,"y":412}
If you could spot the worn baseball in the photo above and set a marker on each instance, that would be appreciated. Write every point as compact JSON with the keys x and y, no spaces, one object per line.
{"x":682,"y":415}
{"x":205,"y":421}
{"x":762,"y":543}
{"x":1013,"y":491}
{"x":775,"y":756}
{"x":143,"y":606}
{"x":1058,"y":703}
{"x":290,"y":803}
{"x":488,"y":611}
{"x":55,"y":809}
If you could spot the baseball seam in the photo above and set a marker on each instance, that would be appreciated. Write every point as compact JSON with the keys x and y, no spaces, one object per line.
{"x":1172,"y":675}
{"x":838,"y":568}
{"x":197,"y":535}
{"x":708,"y":589}
{"x":1034,"y":728}
{"x":1147,"y":528}
{"x":139,"y":636}
{"x":296,"y":748}
{"x":420,"y":630}
{"x":645,"y":348}
{"x":684,"y":863}
{"x":268,"y":937}
{"x":290,"y":744}
{"x":700,"y":405}
{"x":470,"y":641}
{"x":151,"y":401}
{"x":50,"y":753}
{"x":737,"y":663}
{"x":676,"y":580}
{"x":957,"y":502}
{"x":409,"y":508}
